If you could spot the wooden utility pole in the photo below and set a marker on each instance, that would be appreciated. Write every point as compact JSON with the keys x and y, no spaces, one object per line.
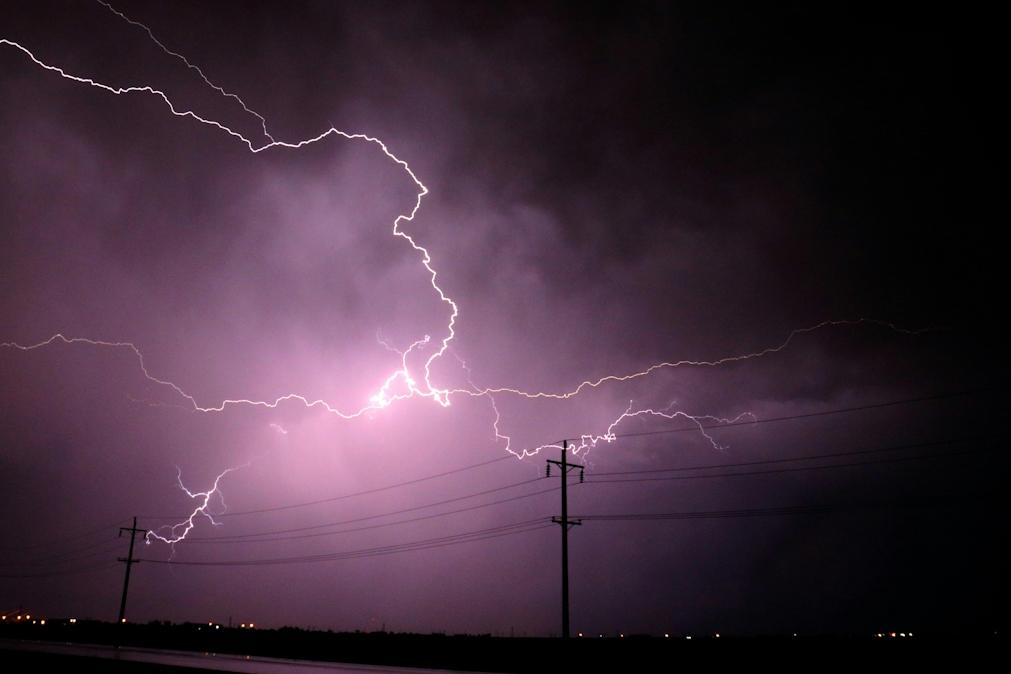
{"x":565,"y":523}
{"x":130,"y":561}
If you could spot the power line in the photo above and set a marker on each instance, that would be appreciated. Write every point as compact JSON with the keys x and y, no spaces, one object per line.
{"x":68,"y":572}
{"x":808,"y":415}
{"x":424,"y":544}
{"x":65,"y":539}
{"x":275,"y":535}
{"x":543,"y":523}
{"x":392,"y":512}
{"x":65,"y":556}
{"x":773,"y":471}
{"x":265,"y":536}
{"x":425,"y":478}
{"x":763,"y":512}
{"x":65,"y":559}
{"x":331,"y":499}
{"x":788,"y":459}
{"x":261,"y":537}
{"x":788,"y":470}
{"x":243,"y":539}
{"x":255,"y":538}
{"x":56,"y":556}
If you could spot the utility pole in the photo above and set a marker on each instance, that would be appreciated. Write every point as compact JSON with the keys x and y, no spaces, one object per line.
{"x":565,"y":523}
{"x":130,"y":561}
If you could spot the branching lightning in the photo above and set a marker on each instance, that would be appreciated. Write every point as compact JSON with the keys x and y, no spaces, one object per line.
{"x":177,"y":532}
{"x":194,"y":68}
{"x":404,"y":382}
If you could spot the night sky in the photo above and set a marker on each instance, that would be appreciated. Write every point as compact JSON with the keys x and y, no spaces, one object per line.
{"x":608,"y":188}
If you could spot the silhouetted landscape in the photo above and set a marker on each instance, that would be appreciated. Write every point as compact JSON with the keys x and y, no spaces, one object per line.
{"x":502,"y":654}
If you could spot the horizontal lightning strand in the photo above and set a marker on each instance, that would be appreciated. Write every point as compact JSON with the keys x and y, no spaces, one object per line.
{"x":191,"y":66}
{"x":807,"y":415}
{"x":840,"y":410}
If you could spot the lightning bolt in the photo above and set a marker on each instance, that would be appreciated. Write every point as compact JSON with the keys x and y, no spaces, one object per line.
{"x":176,"y":532}
{"x":726,"y":360}
{"x":402,"y":383}
{"x":383,"y":397}
{"x":194,"y":68}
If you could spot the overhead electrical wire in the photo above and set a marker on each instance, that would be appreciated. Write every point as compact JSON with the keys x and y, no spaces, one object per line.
{"x":807,"y":415}
{"x":341,"y":497}
{"x":66,"y":572}
{"x":425,"y":478}
{"x":246,"y":539}
{"x":656,"y":474}
{"x":624,"y":476}
{"x":90,"y":533}
{"x":400,"y":511}
{"x":543,"y":522}
{"x":766,"y":512}
{"x":799,"y":457}
{"x":794,"y":469}
{"x":423,"y":544}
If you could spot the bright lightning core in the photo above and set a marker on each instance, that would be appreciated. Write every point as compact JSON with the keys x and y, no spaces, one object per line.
{"x":405,"y":381}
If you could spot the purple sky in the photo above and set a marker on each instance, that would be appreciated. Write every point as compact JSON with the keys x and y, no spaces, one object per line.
{"x":607,"y":190}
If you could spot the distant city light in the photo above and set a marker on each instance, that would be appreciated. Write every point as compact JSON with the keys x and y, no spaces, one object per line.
{"x":666,"y":636}
{"x":73,"y":620}
{"x":688,"y":637}
{"x":580,"y":634}
{"x":42,"y":622}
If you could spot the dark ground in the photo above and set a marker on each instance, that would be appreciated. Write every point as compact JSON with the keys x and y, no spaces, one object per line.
{"x":24,"y":661}
{"x":499,"y":654}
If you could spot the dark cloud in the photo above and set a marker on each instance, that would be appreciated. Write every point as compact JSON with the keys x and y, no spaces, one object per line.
{"x":609,"y":188}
